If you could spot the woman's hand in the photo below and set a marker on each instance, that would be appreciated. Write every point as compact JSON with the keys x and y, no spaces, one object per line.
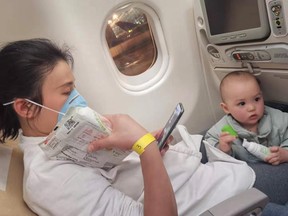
{"x":125,"y":132}
{"x":156,"y":134}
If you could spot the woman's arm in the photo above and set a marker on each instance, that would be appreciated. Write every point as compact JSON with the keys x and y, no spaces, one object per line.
{"x":158,"y":193}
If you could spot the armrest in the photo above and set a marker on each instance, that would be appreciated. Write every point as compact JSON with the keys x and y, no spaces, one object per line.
{"x":250,"y":202}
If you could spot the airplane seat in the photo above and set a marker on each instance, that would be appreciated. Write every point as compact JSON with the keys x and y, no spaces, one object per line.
{"x":277,"y":105}
{"x":11,"y":199}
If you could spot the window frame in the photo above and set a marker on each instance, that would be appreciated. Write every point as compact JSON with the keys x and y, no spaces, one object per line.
{"x":149,"y":78}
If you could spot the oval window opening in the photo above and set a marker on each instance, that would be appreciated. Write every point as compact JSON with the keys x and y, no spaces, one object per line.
{"x":130,"y":41}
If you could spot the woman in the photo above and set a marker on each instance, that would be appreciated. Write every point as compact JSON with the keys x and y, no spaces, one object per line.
{"x":36,"y":80}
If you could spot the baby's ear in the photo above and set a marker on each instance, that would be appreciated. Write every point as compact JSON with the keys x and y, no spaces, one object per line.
{"x":23,"y":108}
{"x":224,"y":107}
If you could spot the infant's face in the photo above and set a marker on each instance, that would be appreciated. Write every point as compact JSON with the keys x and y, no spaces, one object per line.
{"x":244,"y":101}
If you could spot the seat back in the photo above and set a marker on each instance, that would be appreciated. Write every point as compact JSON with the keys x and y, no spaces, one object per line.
{"x":11,"y":200}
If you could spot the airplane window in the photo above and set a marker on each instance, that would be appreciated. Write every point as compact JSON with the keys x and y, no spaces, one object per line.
{"x":130,"y":40}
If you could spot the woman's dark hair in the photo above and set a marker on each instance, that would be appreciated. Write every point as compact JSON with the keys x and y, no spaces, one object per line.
{"x":23,"y":67}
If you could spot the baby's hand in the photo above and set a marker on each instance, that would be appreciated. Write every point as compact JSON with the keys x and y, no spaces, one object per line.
{"x":225,"y":142}
{"x":278,"y":155}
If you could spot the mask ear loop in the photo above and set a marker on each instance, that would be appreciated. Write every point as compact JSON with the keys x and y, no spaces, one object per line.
{"x":8,"y":103}
{"x":37,"y":104}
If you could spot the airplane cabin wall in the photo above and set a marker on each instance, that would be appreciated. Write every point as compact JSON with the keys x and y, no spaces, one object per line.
{"x":79,"y":24}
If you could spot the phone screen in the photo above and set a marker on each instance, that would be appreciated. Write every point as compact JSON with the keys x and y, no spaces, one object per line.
{"x":170,"y":125}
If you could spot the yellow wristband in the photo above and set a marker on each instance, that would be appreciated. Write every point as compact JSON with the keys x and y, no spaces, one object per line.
{"x":140,"y":145}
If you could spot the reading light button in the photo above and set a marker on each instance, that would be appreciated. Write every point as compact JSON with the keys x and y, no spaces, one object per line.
{"x":255,"y":56}
{"x":263,"y":55}
{"x":243,"y":56}
{"x":250,"y":56}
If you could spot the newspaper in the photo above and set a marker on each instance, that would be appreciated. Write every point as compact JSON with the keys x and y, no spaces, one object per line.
{"x":71,"y":136}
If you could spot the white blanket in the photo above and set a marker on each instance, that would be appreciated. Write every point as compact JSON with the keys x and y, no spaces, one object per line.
{"x":197,"y":186}
{"x":53,"y":187}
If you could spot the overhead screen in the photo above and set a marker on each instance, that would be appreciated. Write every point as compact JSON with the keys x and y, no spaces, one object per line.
{"x":235,"y":20}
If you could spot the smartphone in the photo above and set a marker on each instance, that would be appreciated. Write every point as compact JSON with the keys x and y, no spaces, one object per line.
{"x":170,"y":125}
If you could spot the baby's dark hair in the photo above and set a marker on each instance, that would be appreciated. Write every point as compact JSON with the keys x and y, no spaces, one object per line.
{"x":246,"y":74}
{"x":24,"y":65}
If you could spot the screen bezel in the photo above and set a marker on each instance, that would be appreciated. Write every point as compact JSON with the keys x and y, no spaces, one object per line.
{"x":258,"y":33}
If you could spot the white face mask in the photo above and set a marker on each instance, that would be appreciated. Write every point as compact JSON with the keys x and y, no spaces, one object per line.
{"x":74,"y":100}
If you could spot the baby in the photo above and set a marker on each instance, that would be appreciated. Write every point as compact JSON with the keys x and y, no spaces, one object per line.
{"x":243,"y":103}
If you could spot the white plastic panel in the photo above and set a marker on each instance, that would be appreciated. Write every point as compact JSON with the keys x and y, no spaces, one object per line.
{"x":266,"y":58}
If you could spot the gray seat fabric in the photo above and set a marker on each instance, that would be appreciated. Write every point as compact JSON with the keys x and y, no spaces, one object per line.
{"x":271,"y":180}
{"x":272,"y":209}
